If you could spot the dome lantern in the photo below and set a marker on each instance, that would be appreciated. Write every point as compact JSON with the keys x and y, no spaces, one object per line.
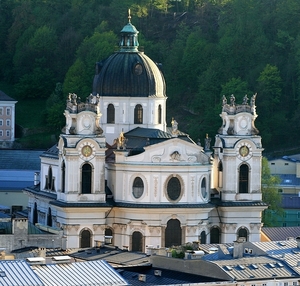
{"x":129,"y":37}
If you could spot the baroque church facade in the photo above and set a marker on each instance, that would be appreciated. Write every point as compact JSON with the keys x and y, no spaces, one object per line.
{"x":118,"y":174}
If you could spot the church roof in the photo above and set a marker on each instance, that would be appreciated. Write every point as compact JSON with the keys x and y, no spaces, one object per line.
{"x":5,"y":97}
{"x":51,"y":152}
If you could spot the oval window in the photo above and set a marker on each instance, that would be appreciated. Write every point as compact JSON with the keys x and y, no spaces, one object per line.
{"x":174,"y":189}
{"x":138,"y":187}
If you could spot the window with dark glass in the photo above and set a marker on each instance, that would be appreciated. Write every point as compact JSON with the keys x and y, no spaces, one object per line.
{"x":138,"y":187}
{"x":242,"y":232}
{"x":159,"y":114}
{"x":138,"y":114}
{"x":203,"y":188}
{"x":137,"y":241}
{"x":215,"y":235}
{"x":63,"y":177}
{"x":173,"y":233}
{"x":110,"y":113}
{"x":243,"y":179}
{"x":49,"y":184}
{"x":85,"y":238}
{"x":174,"y":189}
{"x":86,"y":182}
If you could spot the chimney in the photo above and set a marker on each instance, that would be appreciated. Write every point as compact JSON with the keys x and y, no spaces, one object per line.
{"x":238,"y":248}
{"x":42,"y":252}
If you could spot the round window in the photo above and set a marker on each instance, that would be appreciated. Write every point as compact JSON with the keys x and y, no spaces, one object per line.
{"x":138,"y":187}
{"x":174,"y":189}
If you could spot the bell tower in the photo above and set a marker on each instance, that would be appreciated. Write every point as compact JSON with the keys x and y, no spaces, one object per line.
{"x":237,"y":169}
{"x":82,"y":152}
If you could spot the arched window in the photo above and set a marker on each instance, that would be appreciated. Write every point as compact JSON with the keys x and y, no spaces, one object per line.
{"x":159,"y":114}
{"x":108,"y":235}
{"x":244,"y":179}
{"x":173,"y":233}
{"x":49,"y":217}
{"x":215,"y":235}
{"x":242,"y":232}
{"x":49,"y":185}
{"x":138,"y":114}
{"x":203,"y":188}
{"x":203,"y":237}
{"x":137,"y":241}
{"x":110,"y":113}
{"x":174,"y":189}
{"x":63,"y":177}
{"x":86,"y":179}
{"x":220,"y":174}
{"x":138,"y":187}
{"x":85,"y":238}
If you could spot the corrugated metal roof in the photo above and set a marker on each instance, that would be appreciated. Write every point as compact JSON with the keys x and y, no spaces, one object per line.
{"x":281,"y":233}
{"x":97,"y":272}
{"x":17,"y":273}
{"x":285,"y":251}
{"x":253,"y":268}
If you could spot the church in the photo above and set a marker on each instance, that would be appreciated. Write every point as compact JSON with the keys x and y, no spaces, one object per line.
{"x":120,"y":175}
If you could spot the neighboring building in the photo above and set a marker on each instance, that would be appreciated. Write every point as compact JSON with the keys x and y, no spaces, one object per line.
{"x":287,"y":169}
{"x":18,"y":169}
{"x":7,"y":120}
{"x":119,"y":172}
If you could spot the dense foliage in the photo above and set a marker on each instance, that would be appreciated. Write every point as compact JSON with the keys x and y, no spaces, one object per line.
{"x":208,"y":48}
{"x":270,"y":196}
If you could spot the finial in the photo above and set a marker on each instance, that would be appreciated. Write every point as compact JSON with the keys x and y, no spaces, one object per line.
{"x":129,"y":17}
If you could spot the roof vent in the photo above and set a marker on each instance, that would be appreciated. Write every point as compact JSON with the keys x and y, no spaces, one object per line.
{"x":2,"y":273}
{"x":228,"y":268}
{"x":142,"y":277}
{"x":157,"y":272}
{"x":35,"y":260}
{"x":61,"y":259}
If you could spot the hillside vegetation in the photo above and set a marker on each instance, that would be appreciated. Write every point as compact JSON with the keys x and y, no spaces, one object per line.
{"x":207,"y":47}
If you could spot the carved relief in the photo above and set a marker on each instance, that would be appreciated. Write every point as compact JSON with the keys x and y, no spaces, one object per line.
{"x":155,"y":186}
{"x":175,"y":156}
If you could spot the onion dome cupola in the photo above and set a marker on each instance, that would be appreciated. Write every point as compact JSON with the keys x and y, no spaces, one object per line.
{"x":129,"y":72}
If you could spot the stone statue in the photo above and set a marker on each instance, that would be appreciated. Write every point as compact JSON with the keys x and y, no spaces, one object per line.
{"x":224,"y":100}
{"x":245,"y":100}
{"x":207,"y":142}
{"x":232,"y":100}
{"x":253,"y":99}
{"x":174,"y":126}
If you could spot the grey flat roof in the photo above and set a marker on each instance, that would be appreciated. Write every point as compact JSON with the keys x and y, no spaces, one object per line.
{"x":20,"y":159}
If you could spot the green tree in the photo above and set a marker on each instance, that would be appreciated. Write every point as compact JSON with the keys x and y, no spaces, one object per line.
{"x":54,"y":109}
{"x":270,"y":195}
{"x":270,"y":102}
{"x":237,"y":87}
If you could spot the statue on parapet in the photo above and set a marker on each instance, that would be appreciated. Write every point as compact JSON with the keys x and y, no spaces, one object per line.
{"x":245,"y":100}
{"x":232,"y":100}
